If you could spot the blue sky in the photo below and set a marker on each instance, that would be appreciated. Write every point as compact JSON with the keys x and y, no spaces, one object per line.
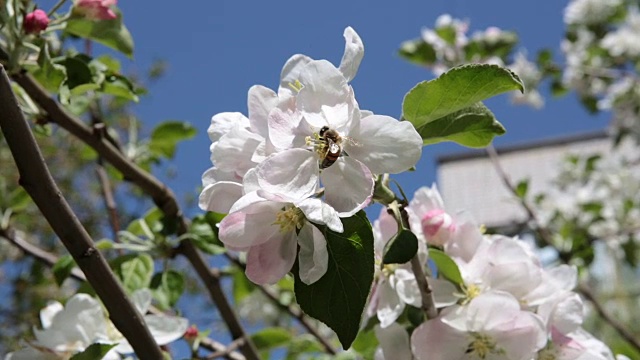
{"x":216,"y":50}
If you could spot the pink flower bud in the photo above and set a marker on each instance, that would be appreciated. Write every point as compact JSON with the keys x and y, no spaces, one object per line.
{"x":96,"y":9}
{"x":191,"y":333}
{"x":437,"y":226}
{"x":35,"y":22}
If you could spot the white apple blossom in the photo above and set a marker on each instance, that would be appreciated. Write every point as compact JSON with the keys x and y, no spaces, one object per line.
{"x":270,"y":228}
{"x":624,"y":40}
{"x":585,"y":12}
{"x":70,"y":329}
{"x":491,"y":326}
{"x":394,"y":343}
{"x":531,"y":76}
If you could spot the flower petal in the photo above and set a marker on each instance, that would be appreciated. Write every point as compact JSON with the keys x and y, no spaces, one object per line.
{"x":313,"y":256}
{"x":234,"y":150}
{"x":268,"y":262}
{"x":319,"y":212}
{"x":394,"y":342}
{"x":48,"y":312}
{"x":353,"y":53}
{"x":166,"y":329}
{"x":260,"y":101}
{"x":348,"y":186}
{"x":287,"y":128}
{"x":384,"y":144}
{"x":252,"y":225}
{"x":434,"y":340}
{"x":389,"y":304}
{"x":219,"y":197}
{"x":141,"y":298}
{"x":222,"y":123}
{"x":291,"y":73}
{"x":324,"y":98}
{"x":292,"y":173}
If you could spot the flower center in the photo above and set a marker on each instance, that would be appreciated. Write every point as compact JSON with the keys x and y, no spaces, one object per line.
{"x":482,"y":346}
{"x":548,"y":353}
{"x":289,"y":218}
{"x":389,"y":269}
{"x":296,"y":86}
{"x":470,"y":292}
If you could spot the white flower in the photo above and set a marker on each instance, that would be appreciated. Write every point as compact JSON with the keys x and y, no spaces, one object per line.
{"x":491,"y":327}
{"x":625,"y":40}
{"x":589,"y":11}
{"x":394,"y":343}
{"x":164,"y":329}
{"x":67,"y":330}
{"x":530,"y":75}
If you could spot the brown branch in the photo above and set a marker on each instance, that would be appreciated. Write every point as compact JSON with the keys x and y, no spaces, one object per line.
{"x":546,"y":236}
{"x":162,"y":196}
{"x":50,"y":259}
{"x":39,"y":184}
{"x":292,"y":310}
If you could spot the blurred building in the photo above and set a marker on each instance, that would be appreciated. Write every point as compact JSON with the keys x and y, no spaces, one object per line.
{"x":469,"y":181}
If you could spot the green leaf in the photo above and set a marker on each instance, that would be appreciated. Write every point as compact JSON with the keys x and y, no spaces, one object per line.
{"x":120,"y":86}
{"x":62,"y":268}
{"x":418,"y":52}
{"x":339,"y":297}
{"x":303,"y":344}
{"x":166,"y":136}
{"x":203,"y":234}
{"x":50,"y":75}
{"x":474,"y":126}
{"x":522,"y":188}
{"x":152,"y":220}
{"x":401,"y":248}
{"x":366,"y":344}
{"x":446,"y":266}
{"x":269,"y":338}
{"x":457,"y":89}
{"x":19,"y":199}
{"x":242,"y":286}
{"x":167,"y":288}
{"x":110,"y":33}
{"x":78,"y":72}
{"x":134,"y":270}
{"x":95,"y":351}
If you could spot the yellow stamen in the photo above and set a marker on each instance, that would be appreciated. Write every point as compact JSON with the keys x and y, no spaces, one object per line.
{"x":289,"y":219}
{"x":483,"y":345}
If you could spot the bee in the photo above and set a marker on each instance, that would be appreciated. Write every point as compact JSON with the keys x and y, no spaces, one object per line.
{"x":333,"y":145}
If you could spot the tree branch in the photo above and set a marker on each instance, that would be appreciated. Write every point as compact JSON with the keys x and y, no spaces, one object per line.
{"x":38,"y":182}
{"x":162,"y":196}
{"x":546,"y":236}
{"x":50,"y":259}
{"x":292,"y":310}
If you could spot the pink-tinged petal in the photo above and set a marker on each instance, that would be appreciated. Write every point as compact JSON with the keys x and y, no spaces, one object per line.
{"x":287,"y":129}
{"x":564,"y":312}
{"x":522,"y":337}
{"x":234,"y":150}
{"x":219,"y":197}
{"x":389,"y":304}
{"x":293,"y":173}
{"x":434,"y":340}
{"x":269,"y":262}
{"x":353,"y":53}
{"x":488,"y":310}
{"x":253,"y":225}
{"x":319,"y":212}
{"x":465,"y":242}
{"x":291,"y":73}
{"x":394,"y":342}
{"x":348,"y":186}
{"x":385,"y":144}
{"x":222,"y":123}
{"x":313,"y":256}
{"x":246,"y":200}
{"x":260,"y":101}
{"x":324,"y":98}
{"x":426,"y":199}
{"x":384,"y":228}
{"x":519,"y":279}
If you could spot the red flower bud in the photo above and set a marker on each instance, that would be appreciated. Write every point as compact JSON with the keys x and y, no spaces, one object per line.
{"x":35,"y":22}
{"x":96,"y":9}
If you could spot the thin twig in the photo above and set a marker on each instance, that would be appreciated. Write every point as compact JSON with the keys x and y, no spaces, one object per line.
{"x":49,"y":259}
{"x":162,"y":196}
{"x":38,"y":182}
{"x":224,"y":353}
{"x":293,"y":310}
{"x":546,"y":236}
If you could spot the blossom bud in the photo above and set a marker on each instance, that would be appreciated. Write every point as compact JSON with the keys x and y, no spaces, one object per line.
{"x":35,"y":22}
{"x":96,"y":9}
{"x":191,"y":334}
{"x":437,"y":226}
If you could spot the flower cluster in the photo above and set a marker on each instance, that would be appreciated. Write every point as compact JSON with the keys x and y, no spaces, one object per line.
{"x":452,"y":47}
{"x":70,"y":329}
{"x":305,"y":155}
{"x":507,"y":307}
